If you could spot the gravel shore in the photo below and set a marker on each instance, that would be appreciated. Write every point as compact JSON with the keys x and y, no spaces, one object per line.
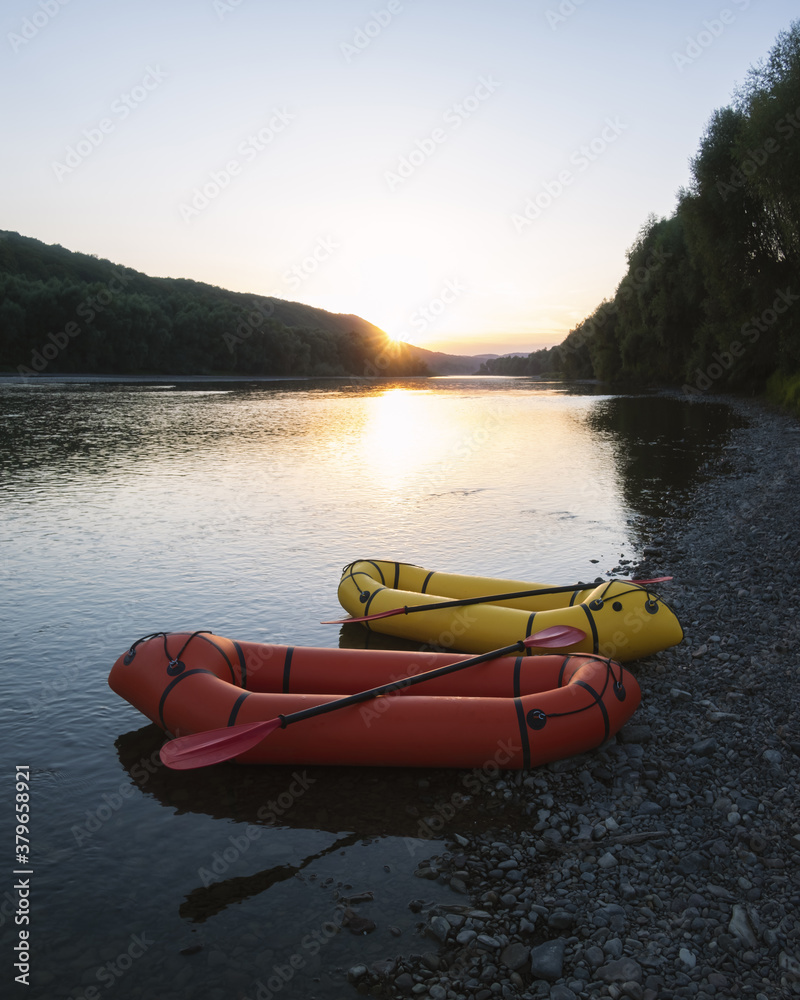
{"x":665,"y":864}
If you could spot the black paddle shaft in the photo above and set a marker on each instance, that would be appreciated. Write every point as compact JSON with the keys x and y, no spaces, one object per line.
{"x":403,"y":682}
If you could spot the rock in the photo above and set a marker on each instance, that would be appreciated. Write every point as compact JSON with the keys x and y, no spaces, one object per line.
{"x":356,"y":973}
{"x":688,"y":959}
{"x":547,"y":960}
{"x":361,"y":897}
{"x":634,"y":991}
{"x":439,"y":928}
{"x":561,"y":920}
{"x":405,"y":982}
{"x":515,"y":955}
{"x":790,"y":965}
{"x":635,"y":734}
{"x":740,"y":927}
{"x":691,"y":863}
{"x":562,"y":993}
{"x":595,"y":956}
{"x":358,"y":925}
{"x":620,"y":971}
{"x":704,"y":748}
{"x":466,"y":936}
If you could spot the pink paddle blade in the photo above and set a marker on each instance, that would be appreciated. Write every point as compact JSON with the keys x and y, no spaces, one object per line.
{"x":215,"y":745}
{"x":555,"y":637}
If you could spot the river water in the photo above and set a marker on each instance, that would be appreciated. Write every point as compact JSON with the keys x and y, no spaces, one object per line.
{"x":129,"y":507}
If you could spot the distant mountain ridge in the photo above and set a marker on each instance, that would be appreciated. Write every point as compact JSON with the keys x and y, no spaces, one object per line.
{"x":62,"y":311}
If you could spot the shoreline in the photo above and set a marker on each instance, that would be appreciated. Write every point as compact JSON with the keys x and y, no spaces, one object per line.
{"x":667,"y":863}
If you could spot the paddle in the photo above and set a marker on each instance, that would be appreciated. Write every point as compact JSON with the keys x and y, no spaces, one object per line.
{"x":491,"y":599}
{"x":215,"y":745}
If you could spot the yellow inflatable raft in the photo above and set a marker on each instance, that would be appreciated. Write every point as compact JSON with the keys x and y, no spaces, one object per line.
{"x":624,"y":620}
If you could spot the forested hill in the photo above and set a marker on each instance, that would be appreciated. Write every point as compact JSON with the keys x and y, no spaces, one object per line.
{"x":64,"y":312}
{"x":711,"y":298}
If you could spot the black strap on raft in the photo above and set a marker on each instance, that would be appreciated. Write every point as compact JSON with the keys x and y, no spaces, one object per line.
{"x":537,"y":719}
{"x":174,"y":664}
{"x":463,"y":602}
{"x":651,"y":604}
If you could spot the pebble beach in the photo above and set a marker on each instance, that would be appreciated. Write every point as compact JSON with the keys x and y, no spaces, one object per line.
{"x":665,"y":864}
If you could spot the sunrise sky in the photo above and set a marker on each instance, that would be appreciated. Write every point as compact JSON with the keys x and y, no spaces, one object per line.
{"x":467,"y":175}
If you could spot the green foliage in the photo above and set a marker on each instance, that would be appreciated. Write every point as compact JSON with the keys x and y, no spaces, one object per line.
{"x":784,"y":390}
{"x":63,"y":312}
{"x":538,"y":363}
{"x":711,"y":295}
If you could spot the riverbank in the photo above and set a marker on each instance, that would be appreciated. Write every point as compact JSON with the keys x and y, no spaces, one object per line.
{"x":664,"y":865}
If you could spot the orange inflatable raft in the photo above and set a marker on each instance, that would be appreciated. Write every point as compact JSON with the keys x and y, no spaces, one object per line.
{"x":515,"y":712}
